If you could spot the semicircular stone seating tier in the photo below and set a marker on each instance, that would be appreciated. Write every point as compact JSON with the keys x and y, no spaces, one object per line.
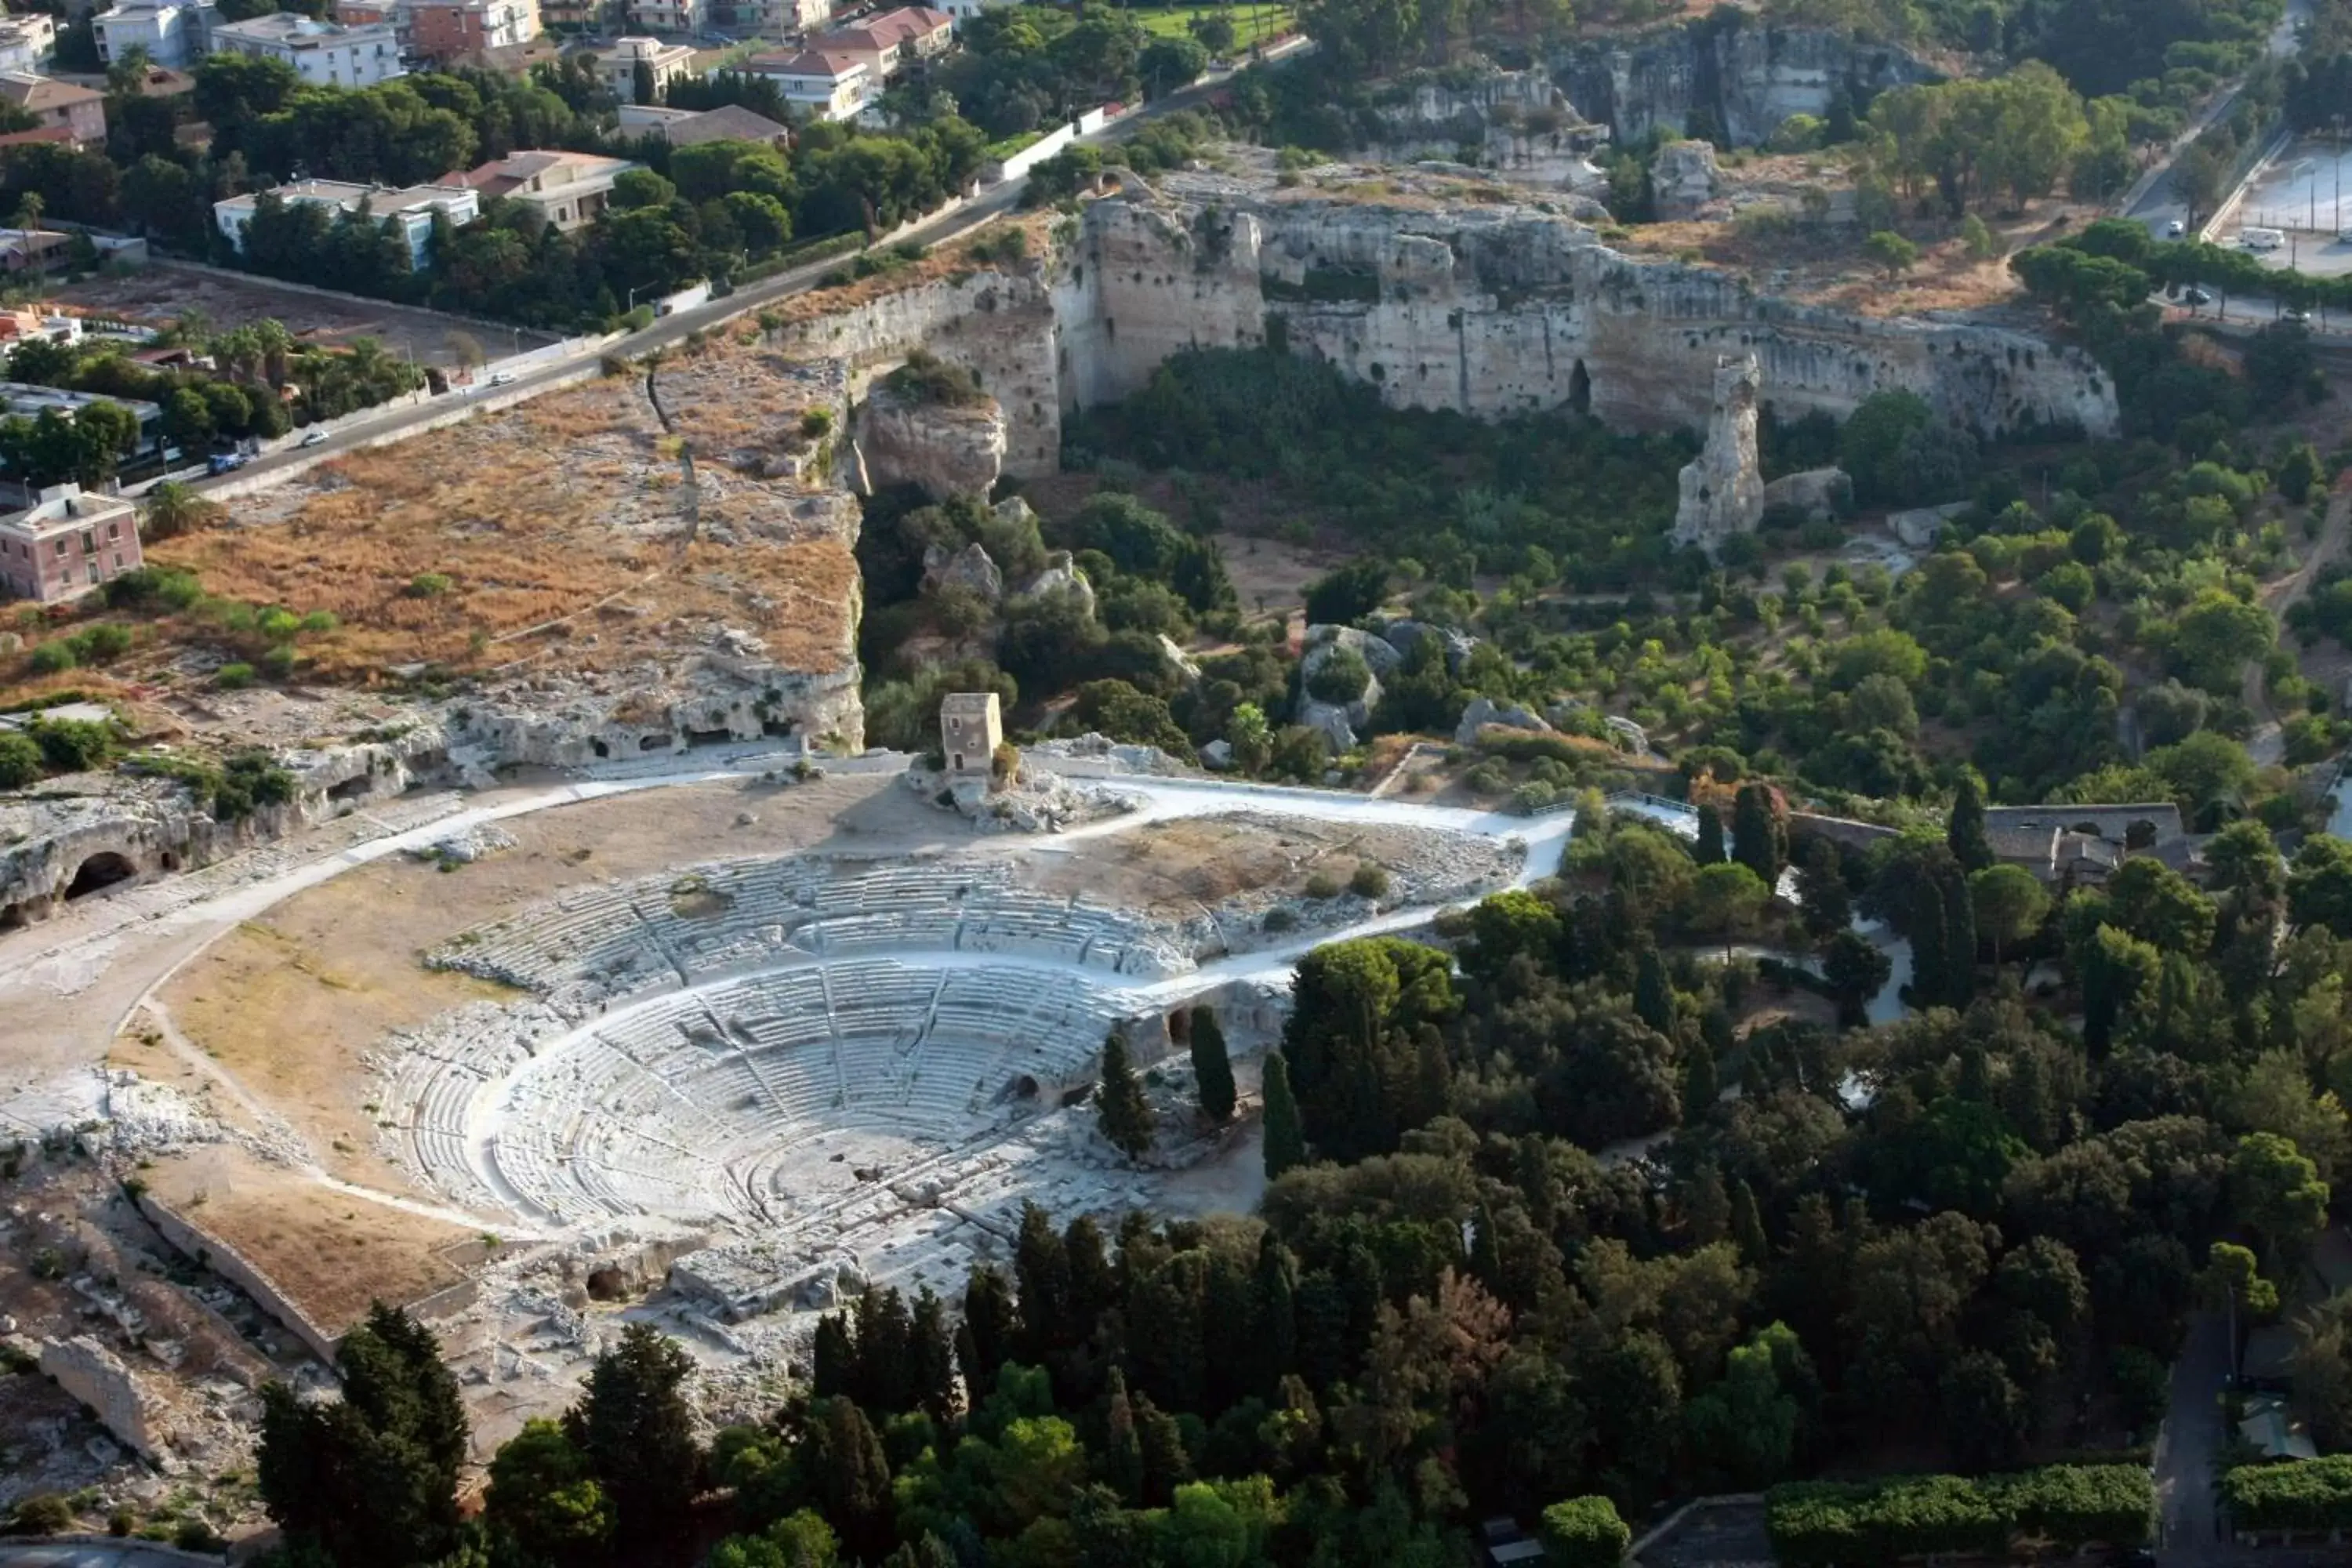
{"x":619,"y":939}
{"x":690,"y":1106}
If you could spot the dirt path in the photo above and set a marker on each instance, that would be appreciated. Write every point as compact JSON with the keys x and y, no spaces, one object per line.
{"x":2266,"y":745}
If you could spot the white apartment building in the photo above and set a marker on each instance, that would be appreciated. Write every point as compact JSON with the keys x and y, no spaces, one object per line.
{"x":326,"y":54}
{"x":670,"y":15}
{"x":412,"y":209}
{"x":618,"y":65}
{"x":174,"y":33}
{"x":827,"y":85}
{"x":27,"y":41}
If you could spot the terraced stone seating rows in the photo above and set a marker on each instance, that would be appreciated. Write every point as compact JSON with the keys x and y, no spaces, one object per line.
{"x":628,"y":937}
{"x":664,"y":1108}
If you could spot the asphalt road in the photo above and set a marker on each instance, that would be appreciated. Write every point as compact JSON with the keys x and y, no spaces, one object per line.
{"x":110,"y":1555}
{"x":2191,"y":1438}
{"x":2158,"y":208}
{"x":372,"y":427}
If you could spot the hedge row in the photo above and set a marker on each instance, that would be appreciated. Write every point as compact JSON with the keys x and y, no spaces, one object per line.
{"x":1584,"y":1533}
{"x":2300,"y":1494}
{"x":1864,"y":1523}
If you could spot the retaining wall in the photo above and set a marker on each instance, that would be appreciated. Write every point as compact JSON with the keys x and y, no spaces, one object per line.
{"x":240,"y":1272}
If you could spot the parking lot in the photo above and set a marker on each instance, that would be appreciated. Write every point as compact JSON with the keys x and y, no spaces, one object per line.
{"x":2306,"y":195}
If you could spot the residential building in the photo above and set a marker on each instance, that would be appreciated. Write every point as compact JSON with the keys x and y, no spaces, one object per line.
{"x":324,"y":54}
{"x":66,"y":544}
{"x":2083,"y":845}
{"x":447,"y":30}
{"x":33,"y":250}
{"x":412,"y":209}
{"x":828,"y":86}
{"x":25,"y":398}
{"x":174,"y":33}
{"x":769,"y":18}
{"x":965,"y":10}
{"x":618,"y":66}
{"x":27,"y":41}
{"x":566,"y":189}
{"x":689,"y":127}
{"x":670,"y":15}
{"x":57,"y":105}
{"x":580,"y":15}
{"x":890,"y":44}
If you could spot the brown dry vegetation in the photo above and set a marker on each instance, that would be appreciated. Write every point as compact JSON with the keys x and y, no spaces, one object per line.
{"x":566,"y":510}
{"x":946,"y":261}
{"x":1171,"y":869}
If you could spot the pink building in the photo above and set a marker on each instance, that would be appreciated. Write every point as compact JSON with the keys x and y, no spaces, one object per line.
{"x":60,"y":105}
{"x":66,"y":544}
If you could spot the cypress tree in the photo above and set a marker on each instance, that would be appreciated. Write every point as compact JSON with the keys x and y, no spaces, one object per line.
{"x":1930,"y":970}
{"x":1820,"y":888}
{"x":1709,"y":849}
{"x":1759,"y":837}
{"x":854,"y":1481}
{"x":1276,"y":1290}
{"x":1286,"y":1140}
{"x":1747,"y":1226}
{"x":1965,"y":829}
{"x":1122,"y":1114}
{"x":1212,"y":1067}
{"x":1701,"y":1087}
{"x":986,"y":1337}
{"x":833,"y":1358}
{"x":1485,"y":1249}
{"x":1654,"y":993}
{"x":1166,"y":1464}
{"x":932,"y":1358}
{"x":1960,"y":935}
{"x":1094,"y":1282}
{"x":636,"y":1429}
{"x":1041,"y":1266}
{"x":1122,"y":1464}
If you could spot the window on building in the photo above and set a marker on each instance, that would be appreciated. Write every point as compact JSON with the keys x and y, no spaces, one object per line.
{"x":113,"y":531}
{"x":90,"y":541}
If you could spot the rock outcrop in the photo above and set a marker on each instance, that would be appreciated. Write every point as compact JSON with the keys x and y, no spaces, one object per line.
{"x":96,"y":1377}
{"x":1682,"y":180}
{"x":1735,"y":77}
{"x":1722,"y":492}
{"x":1815,"y":492}
{"x":1493,"y":309}
{"x":946,"y":449}
{"x":1516,"y":123}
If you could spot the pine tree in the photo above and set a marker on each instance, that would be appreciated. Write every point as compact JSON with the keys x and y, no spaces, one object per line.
{"x":1747,"y":1226}
{"x":1759,"y":832}
{"x":986,"y":1337}
{"x":1654,"y":993}
{"x":1709,"y":848}
{"x":1965,"y":829}
{"x":1701,"y":1087}
{"x":1213,"y":1068}
{"x":1286,"y":1141}
{"x":1122,"y":1114}
{"x":1822,"y":890}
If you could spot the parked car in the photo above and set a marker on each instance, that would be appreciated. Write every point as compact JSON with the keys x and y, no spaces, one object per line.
{"x":2195,"y":296}
{"x":2175,"y":229}
{"x":502,"y":378}
{"x":226,"y":463}
{"x":315,"y":436}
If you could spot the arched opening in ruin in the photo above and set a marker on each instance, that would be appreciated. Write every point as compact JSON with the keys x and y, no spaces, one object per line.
{"x":351,"y":789}
{"x":102,"y":871}
{"x":601,"y":749}
{"x":778,"y":729}
{"x":957,"y":762}
{"x":654,"y":743}
{"x":1180,"y":1026}
{"x":2139,"y":835}
{"x":709,"y":737}
{"x":1024,"y":1087}
{"x":1579,"y":390}
{"x":171,"y":861}
{"x":12,"y":917}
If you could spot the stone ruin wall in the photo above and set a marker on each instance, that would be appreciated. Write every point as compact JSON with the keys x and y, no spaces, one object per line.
{"x":1489,"y":313}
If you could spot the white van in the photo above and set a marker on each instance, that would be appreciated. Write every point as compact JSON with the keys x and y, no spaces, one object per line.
{"x":2262,"y":239}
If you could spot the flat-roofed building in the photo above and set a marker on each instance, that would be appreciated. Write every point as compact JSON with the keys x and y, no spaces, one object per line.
{"x":324,"y":54}
{"x":567,"y":189}
{"x":66,"y":544}
{"x":174,"y":33}
{"x":447,"y":30}
{"x":28,"y":40}
{"x":412,"y":210}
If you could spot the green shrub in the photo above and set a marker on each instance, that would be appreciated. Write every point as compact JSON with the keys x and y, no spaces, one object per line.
{"x":56,"y":654}
{"x":429,"y":585}
{"x":1322,"y":885}
{"x":817,"y":423}
{"x":1584,"y":1533}
{"x":74,"y":745}
{"x":1370,"y":881}
{"x":2303,"y":1494}
{"x":233,"y":677}
{"x":1340,"y":677}
{"x":1279,"y":920}
{"x":43,"y":1513}
{"x":1859,"y":1524}
{"x":277,"y":661}
{"x":20,"y":760}
{"x":146,"y":587}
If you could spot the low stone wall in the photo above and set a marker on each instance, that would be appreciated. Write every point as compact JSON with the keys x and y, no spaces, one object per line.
{"x":1837,"y":829}
{"x":240,"y":1272}
{"x":95,"y":1376}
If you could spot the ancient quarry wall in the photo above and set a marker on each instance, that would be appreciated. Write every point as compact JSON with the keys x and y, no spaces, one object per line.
{"x":148,"y":827}
{"x":95,"y":1376}
{"x":997,"y":324}
{"x":242,"y":1272}
{"x":1744,"y":79}
{"x":1490,"y":312}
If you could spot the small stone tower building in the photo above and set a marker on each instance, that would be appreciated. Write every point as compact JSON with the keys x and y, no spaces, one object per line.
{"x":1723,"y":491}
{"x":971,"y":726}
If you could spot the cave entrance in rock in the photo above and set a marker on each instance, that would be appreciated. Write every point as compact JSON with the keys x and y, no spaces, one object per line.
{"x":12,"y":917}
{"x":1579,"y":390}
{"x":102,"y":871}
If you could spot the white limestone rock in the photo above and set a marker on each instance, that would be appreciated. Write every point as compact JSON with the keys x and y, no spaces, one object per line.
{"x":1816,"y":493}
{"x":948,"y":449}
{"x":1683,"y":180}
{"x":1484,"y":712}
{"x":970,"y":570}
{"x":1722,"y":492}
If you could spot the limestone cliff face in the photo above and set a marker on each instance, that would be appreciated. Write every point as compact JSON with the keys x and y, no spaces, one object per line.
{"x":997,"y":324}
{"x":1744,"y":78}
{"x":1496,"y":311}
{"x":946,"y":450}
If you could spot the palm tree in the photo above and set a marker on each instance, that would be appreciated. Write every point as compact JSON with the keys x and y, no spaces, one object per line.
{"x":173,"y":508}
{"x":129,"y":72}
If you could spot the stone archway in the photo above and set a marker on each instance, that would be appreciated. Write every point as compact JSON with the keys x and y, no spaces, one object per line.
{"x":1579,"y":390}
{"x":100,"y":871}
